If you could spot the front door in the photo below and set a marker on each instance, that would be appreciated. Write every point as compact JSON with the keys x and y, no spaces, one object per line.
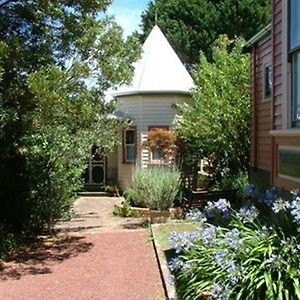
{"x":95,"y":172}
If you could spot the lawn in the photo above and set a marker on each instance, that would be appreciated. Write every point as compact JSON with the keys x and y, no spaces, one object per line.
{"x":161,"y":234}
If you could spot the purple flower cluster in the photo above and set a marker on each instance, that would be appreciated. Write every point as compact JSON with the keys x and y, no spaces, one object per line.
{"x":175,"y":264}
{"x":220,"y":206}
{"x":219,"y":292}
{"x":295,"y":209}
{"x":183,"y":241}
{"x":233,"y":239}
{"x":234,"y":272}
{"x":221,"y":257}
{"x":208,"y":234}
{"x":280,"y":205}
{"x":271,"y":194}
{"x":248,"y":214}
{"x":195,"y":215}
{"x":251,"y":191}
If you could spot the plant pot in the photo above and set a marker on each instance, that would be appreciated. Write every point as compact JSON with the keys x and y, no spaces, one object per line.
{"x":157,"y":216}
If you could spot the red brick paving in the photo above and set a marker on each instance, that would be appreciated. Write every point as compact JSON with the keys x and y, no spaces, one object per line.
{"x":113,"y":266}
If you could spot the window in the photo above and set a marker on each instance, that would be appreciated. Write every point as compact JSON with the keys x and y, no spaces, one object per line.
{"x":294,"y":38}
{"x":159,"y":135}
{"x":294,"y":24}
{"x":296,"y":89}
{"x":156,"y":155}
{"x":129,"y":145}
{"x":267,"y":81}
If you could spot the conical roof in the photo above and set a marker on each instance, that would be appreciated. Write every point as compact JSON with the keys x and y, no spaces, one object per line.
{"x":159,"y":70}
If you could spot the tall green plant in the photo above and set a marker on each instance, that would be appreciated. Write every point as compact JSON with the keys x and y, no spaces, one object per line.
{"x":192,"y":26}
{"x":218,"y":119}
{"x":57,"y":59}
{"x":155,"y":188}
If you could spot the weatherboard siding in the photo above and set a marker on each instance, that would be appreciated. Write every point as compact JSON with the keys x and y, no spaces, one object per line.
{"x":261,"y":152}
{"x":144,"y":111}
{"x":277,"y":64}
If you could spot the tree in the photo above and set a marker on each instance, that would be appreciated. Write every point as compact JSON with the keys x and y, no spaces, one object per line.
{"x":218,"y":120}
{"x":50,"y":52}
{"x":192,"y":26}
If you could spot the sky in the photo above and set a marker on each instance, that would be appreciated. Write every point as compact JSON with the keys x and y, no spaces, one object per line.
{"x":128,"y":13}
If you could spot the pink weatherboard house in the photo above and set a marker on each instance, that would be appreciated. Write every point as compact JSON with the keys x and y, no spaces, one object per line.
{"x":275,"y":130}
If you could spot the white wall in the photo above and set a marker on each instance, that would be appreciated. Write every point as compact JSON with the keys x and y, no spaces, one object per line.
{"x":144,"y":111}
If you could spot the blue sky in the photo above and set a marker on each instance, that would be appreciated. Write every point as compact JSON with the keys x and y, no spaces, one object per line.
{"x":127,"y":13}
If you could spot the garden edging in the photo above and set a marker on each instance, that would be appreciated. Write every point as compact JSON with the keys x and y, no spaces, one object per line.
{"x":165,"y":273}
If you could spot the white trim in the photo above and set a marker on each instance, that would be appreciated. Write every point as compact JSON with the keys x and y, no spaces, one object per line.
{"x":285,"y":132}
{"x":290,"y":178}
{"x":257,"y":37}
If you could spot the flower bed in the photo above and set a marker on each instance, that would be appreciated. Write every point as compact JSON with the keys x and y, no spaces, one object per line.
{"x":253,"y":253}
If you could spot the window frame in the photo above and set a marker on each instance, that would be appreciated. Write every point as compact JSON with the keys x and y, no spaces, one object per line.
{"x":267,"y":97}
{"x":124,"y":145}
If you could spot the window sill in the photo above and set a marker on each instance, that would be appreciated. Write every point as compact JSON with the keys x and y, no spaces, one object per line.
{"x":286,"y":132}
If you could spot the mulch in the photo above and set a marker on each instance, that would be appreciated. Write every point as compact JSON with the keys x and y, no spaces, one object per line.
{"x":110,"y":265}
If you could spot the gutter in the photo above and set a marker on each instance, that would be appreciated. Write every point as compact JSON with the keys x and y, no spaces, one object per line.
{"x":256,"y":38}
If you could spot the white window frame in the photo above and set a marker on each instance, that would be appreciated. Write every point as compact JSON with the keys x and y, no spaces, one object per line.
{"x":125,"y":145}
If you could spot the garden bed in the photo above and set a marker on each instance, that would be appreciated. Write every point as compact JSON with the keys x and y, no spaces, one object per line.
{"x":139,"y":212}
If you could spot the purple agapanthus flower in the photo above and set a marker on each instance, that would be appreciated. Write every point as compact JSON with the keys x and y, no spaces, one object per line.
{"x":195,"y":215}
{"x":208,"y":234}
{"x":248,"y":214}
{"x":175,"y":264}
{"x":233,"y":239}
{"x":280,"y":205}
{"x":251,"y":191}
{"x":295,"y":209}
{"x":221,"y":257}
{"x":271,"y":194}
{"x":219,"y":292}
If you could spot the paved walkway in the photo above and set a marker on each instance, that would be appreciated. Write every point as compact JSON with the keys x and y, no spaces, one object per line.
{"x":93,"y":257}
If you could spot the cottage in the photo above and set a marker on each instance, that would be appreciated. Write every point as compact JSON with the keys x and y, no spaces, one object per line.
{"x":275,"y":130}
{"x":160,"y":82}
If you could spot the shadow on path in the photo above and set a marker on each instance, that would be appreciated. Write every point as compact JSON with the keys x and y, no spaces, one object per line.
{"x":38,"y":257}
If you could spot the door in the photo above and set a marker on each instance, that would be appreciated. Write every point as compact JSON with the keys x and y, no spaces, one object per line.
{"x":95,"y":172}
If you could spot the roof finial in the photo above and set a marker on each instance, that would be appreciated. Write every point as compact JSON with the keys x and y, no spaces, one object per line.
{"x":156,"y":17}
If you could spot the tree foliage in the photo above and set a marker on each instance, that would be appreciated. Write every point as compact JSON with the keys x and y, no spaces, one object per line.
{"x":216,"y":123}
{"x":51,"y":114}
{"x":192,"y":26}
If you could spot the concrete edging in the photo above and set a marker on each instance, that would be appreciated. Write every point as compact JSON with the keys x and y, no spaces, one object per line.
{"x":165,"y":273}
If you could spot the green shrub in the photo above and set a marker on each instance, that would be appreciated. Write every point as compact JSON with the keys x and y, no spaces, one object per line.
{"x":124,"y":211}
{"x":256,"y":256}
{"x":155,"y":188}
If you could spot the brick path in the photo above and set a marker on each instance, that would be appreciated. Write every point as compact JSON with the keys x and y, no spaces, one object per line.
{"x":113,"y":265}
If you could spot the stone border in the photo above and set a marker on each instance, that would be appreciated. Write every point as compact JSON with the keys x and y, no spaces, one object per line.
{"x":175,"y":213}
{"x":165,"y":273}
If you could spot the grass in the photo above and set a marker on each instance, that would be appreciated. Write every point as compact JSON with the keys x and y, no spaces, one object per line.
{"x":162,"y":233}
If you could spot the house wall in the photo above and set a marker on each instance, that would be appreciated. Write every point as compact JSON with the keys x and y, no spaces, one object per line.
{"x":112,"y":167}
{"x":277,"y":65}
{"x":273,"y":136}
{"x":145,"y":110}
{"x":284,"y":136}
{"x":261,"y":123}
